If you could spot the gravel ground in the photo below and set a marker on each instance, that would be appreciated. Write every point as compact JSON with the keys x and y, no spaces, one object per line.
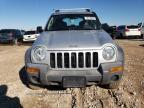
{"x":15,"y":94}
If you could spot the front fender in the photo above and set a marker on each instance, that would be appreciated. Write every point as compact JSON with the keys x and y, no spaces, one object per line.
{"x":120,"y":54}
{"x":28,"y":56}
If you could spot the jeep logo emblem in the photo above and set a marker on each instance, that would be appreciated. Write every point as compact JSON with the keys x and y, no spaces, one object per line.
{"x":73,"y":46}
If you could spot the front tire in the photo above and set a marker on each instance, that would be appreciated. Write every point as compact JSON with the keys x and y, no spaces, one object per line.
{"x":142,"y":36}
{"x":33,"y":87}
{"x":121,"y":36}
{"x":15,"y":41}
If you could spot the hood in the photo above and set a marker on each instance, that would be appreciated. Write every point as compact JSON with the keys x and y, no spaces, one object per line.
{"x":79,"y":39}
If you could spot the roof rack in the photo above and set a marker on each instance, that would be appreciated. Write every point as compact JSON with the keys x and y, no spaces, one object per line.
{"x":74,"y":10}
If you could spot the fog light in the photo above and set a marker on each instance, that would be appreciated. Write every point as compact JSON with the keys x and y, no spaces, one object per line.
{"x":115,"y":78}
{"x":116,"y":69}
{"x":32,"y":70}
{"x":36,"y":78}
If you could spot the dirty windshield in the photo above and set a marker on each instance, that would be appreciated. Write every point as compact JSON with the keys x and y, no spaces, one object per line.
{"x":72,"y":22}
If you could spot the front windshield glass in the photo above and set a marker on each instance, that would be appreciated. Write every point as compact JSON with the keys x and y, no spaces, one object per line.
{"x":72,"y":22}
{"x":30,"y":32}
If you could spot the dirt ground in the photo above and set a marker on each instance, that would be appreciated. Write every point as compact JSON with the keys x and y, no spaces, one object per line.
{"x":15,"y":94}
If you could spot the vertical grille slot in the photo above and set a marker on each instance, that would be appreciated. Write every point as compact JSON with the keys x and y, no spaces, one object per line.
{"x":80,"y":60}
{"x":95,"y":59}
{"x":73,"y":60}
{"x":88,"y":59}
{"x":66,"y":60}
{"x":59,"y":60}
{"x":52,"y":60}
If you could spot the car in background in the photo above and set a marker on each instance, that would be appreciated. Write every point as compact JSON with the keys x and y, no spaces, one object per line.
{"x":10,"y":36}
{"x":111,"y":30}
{"x":30,"y":36}
{"x":141,"y":25}
{"x":124,"y":31}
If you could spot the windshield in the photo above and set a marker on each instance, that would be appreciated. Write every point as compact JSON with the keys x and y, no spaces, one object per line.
{"x":30,"y":32}
{"x":133,"y":27}
{"x":72,"y":22}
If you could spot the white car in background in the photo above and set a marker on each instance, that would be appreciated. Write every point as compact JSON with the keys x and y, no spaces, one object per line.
{"x":30,"y":36}
{"x":128,"y":30}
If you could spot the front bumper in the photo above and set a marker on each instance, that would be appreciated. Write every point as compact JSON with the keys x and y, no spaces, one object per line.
{"x":48,"y":76}
{"x":132,"y":34}
{"x":29,"y":39}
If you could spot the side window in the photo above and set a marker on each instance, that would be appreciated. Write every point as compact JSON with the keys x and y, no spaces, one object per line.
{"x":50,"y":23}
{"x":122,"y":27}
{"x":140,"y":24}
{"x":118,"y":28}
{"x":17,"y":32}
{"x":143,"y":25}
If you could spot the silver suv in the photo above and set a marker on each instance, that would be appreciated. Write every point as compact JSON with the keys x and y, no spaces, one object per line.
{"x":73,"y":51}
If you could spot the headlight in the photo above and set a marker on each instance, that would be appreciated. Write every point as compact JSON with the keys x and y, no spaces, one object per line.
{"x":108,"y":53}
{"x":39,"y":53}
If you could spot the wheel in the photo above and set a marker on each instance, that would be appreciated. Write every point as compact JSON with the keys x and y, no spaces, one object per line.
{"x":139,"y":37}
{"x":15,"y":41}
{"x":142,"y":36}
{"x":20,"y":42}
{"x":27,"y":81}
{"x":113,"y":85}
{"x":121,"y":36}
{"x":33,"y":87}
{"x":114,"y":37}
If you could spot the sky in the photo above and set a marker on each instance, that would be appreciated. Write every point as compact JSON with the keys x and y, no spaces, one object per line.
{"x":28,"y":14}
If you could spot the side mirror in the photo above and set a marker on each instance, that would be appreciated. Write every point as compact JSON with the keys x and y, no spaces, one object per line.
{"x":39,"y":29}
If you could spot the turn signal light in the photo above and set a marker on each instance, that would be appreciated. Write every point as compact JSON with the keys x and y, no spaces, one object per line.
{"x":32,"y":70}
{"x":116,"y":69}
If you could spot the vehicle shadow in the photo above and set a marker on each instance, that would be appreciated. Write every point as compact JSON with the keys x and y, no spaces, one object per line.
{"x":24,"y":80}
{"x":142,"y":45}
{"x":19,"y":44}
{"x":8,"y":102}
{"x":27,"y":43}
{"x":6,"y":44}
{"x":135,"y":38}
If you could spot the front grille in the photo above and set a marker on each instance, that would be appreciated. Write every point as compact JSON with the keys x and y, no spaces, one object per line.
{"x":74,"y":60}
